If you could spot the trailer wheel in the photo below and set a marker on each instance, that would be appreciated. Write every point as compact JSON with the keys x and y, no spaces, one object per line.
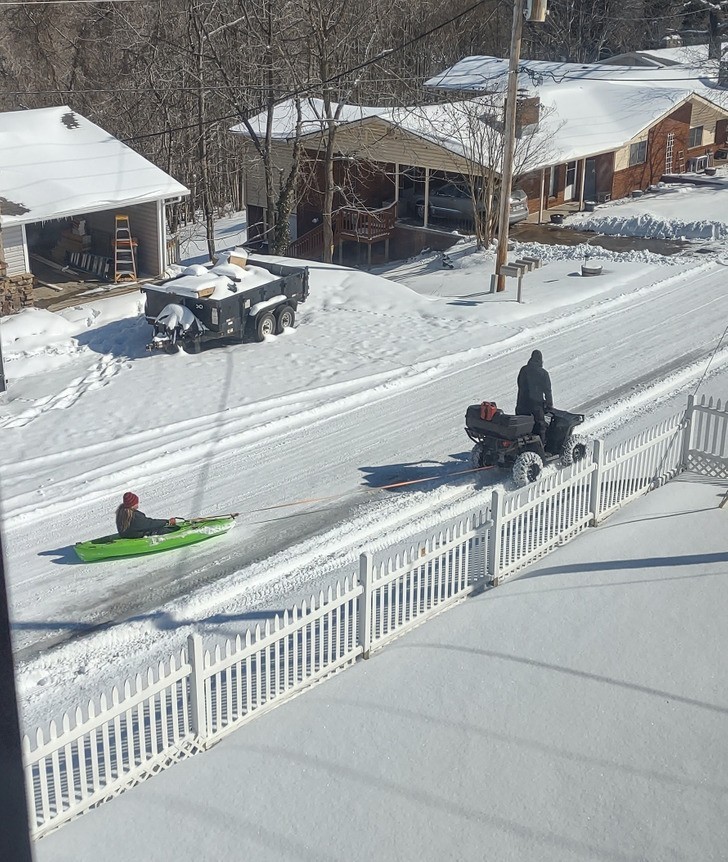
{"x":527,"y":468}
{"x":285,"y":318}
{"x":171,"y":348}
{"x":265,"y":324}
{"x":195,"y":345}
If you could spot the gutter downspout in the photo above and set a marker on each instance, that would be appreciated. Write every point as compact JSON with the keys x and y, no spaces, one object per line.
{"x":425,"y":219}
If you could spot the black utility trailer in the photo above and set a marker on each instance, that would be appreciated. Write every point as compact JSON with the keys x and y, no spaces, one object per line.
{"x":182,"y":318}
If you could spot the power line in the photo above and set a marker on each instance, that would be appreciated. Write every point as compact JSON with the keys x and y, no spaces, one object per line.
{"x":167,"y":87}
{"x":68,"y":2}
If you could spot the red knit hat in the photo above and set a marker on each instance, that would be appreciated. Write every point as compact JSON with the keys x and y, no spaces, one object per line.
{"x":130,"y":500}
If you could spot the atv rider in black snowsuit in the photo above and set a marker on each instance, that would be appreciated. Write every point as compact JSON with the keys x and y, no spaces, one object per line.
{"x":534,"y":393}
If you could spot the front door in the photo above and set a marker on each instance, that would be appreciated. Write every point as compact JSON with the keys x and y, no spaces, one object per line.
{"x":570,"y":184}
{"x":590,"y":180}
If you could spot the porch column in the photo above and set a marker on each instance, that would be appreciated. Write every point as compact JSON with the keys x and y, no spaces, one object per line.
{"x":540,"y":199}
{"x":425,"y":220}
{"x":582,"y":180}
{"x":396,"y":186}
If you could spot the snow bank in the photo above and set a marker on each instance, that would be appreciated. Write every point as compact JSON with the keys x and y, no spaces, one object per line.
{"x":684,"y":212}
{"x":648,"y":225}
{"x":32,"y":328}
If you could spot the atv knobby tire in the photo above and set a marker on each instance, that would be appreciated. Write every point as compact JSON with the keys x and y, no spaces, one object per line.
{"x":476,"y":456}
{"x":575,"y":449}
{"x":527,"y":468}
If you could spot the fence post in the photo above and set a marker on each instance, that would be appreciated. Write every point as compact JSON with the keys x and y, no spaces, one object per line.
{"x":494,"y":538}
{"x":198,"y":713}
{"x":595,"y":491}
{"x":687,"y":433}
{"x":365,"y":603}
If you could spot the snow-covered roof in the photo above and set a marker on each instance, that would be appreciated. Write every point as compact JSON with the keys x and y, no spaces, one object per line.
{"x":585,"y":109}
{"x":683,"y":55}
{"x":285,"y":118}
{"x":443,"y":124}
{"x":54,"y":163}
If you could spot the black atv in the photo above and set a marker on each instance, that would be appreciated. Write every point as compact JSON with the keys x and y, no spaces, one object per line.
{"x":502,"y":440}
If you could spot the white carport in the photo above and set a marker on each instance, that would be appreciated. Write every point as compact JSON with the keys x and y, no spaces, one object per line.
{"x":62,"y":181}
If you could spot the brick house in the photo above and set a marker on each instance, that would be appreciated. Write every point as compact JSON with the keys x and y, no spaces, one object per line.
{"x":585,"y":133}
{"x":614,"y":129}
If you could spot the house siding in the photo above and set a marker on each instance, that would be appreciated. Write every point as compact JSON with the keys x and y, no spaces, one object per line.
{"x":281,"y":156}
{"x":374,"y":184}
{"x":706,"y":116}
{"x":651,"y":171}
{"x":381,"y":142}
{"x":14,"y":250}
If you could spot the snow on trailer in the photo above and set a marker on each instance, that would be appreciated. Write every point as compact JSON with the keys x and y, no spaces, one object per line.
{"x":236,"y":297}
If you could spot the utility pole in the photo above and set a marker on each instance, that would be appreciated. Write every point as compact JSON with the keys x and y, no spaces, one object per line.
{"x":536,"y":11}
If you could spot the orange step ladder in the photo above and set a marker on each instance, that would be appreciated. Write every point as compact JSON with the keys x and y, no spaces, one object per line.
{"x":124,"y":254}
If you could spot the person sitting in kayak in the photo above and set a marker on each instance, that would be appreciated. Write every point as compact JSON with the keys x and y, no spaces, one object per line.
{"x":133,"y":524}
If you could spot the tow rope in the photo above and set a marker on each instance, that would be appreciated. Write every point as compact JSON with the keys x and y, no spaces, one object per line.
{"x":389,"y":487}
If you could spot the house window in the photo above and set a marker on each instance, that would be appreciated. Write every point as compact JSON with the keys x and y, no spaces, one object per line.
{"x":696,"y":137}
{"x":638,"y":153}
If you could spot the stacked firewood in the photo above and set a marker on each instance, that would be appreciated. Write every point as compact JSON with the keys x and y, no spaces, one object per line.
{"x":15,"y":292}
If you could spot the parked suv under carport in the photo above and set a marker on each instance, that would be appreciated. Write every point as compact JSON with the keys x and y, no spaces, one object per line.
{"x":455,"y":203}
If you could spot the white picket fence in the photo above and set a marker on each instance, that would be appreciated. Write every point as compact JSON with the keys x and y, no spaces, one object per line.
{"x":184,"y":705}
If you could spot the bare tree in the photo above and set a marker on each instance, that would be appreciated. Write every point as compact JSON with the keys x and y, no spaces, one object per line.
{"x":475,"y":127}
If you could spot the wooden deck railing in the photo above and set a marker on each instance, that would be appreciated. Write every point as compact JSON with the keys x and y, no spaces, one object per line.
{"x":367,"y":226}
{"x":309,"y":246}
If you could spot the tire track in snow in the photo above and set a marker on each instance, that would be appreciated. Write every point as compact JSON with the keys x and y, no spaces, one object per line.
{"x":232,"y":428}
{"x":301,"y":569}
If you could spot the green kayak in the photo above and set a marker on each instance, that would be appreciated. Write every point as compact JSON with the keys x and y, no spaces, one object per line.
{"x":185,"y":533}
